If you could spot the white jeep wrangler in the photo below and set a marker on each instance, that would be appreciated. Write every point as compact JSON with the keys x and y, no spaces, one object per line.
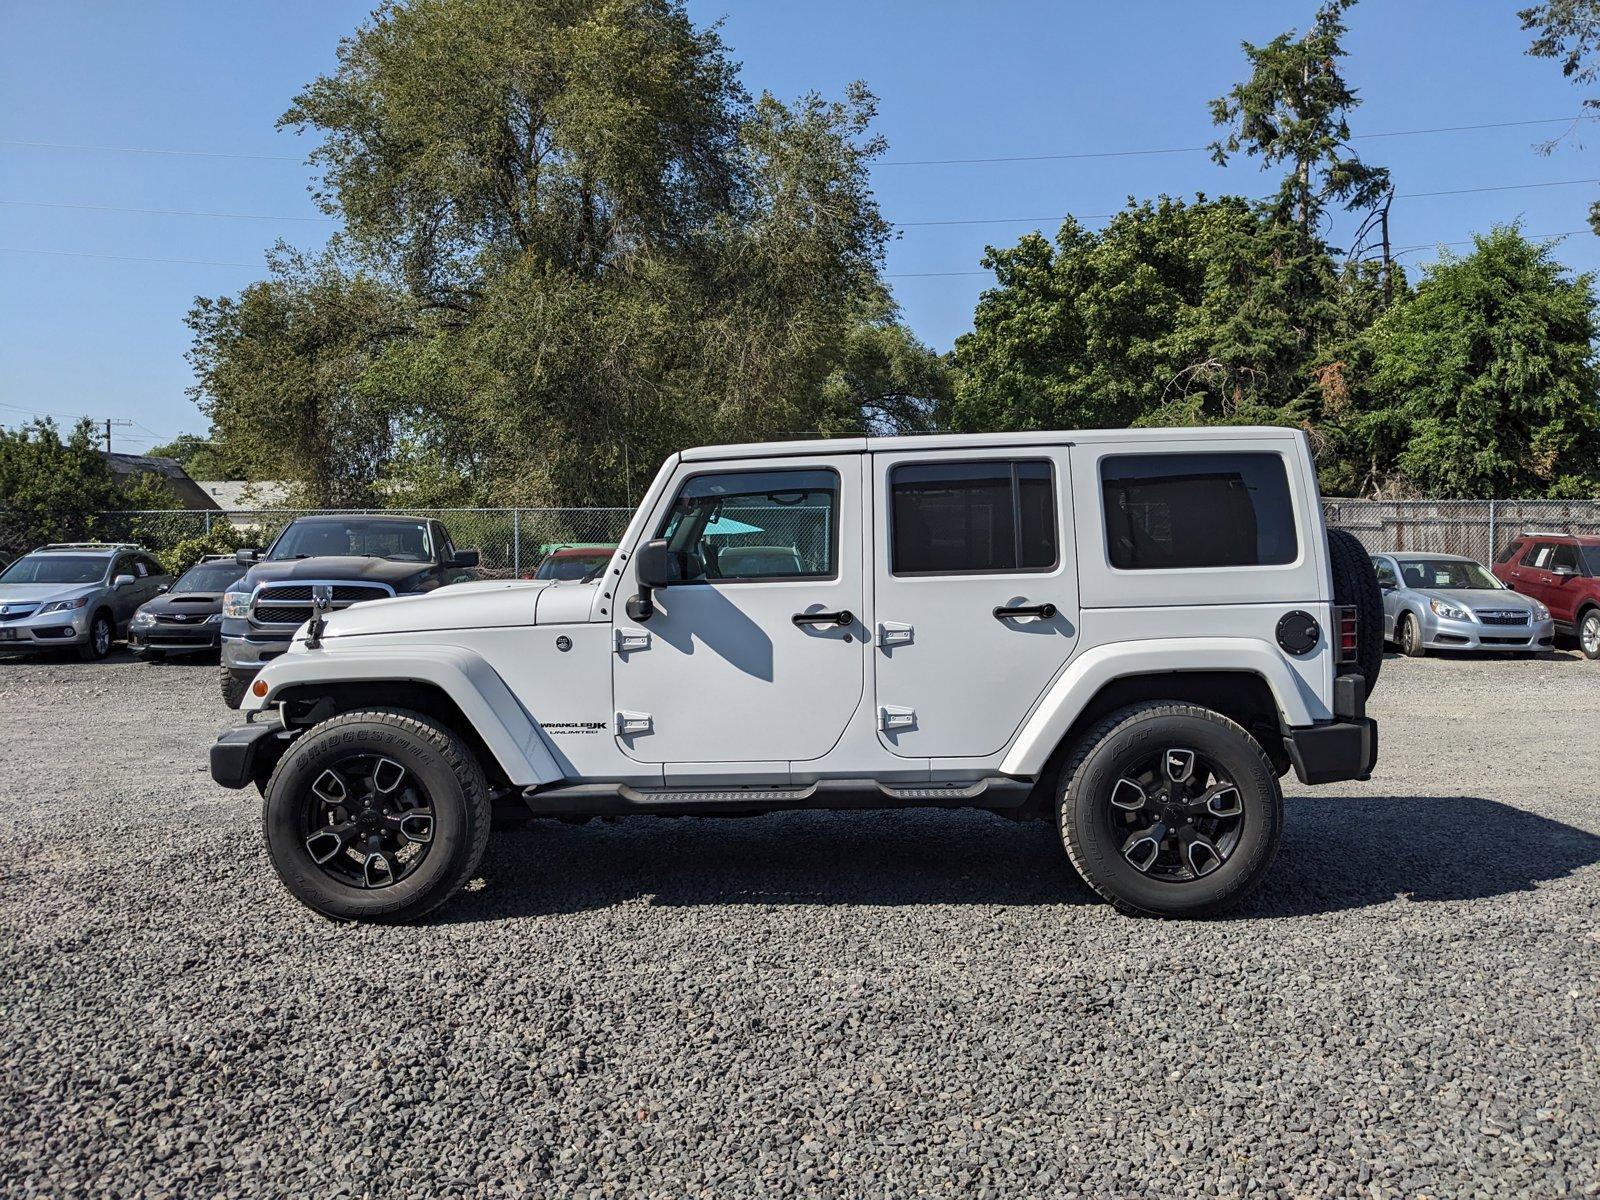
{"x":1132,"y":633}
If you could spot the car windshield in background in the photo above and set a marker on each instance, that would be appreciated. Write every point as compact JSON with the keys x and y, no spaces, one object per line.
{"x":208,"y":577}
{"x":1447,"y":573}
{"x":573,"y":566}
{"x":56,"y":568}
{"x":405,"y":541}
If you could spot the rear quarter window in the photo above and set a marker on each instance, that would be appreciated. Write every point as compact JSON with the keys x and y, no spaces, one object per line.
{"x":1209,"y":509}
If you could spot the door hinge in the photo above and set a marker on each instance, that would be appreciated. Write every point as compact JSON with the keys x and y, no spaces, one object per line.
{"x":629,"y":723}
{"x":895,"y":633}
{"x":629,"y":640}
{"x":892,"y":716}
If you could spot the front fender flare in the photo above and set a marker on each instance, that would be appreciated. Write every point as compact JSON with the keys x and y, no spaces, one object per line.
{"x":1090,"y":671}
{"x":510,"y":733}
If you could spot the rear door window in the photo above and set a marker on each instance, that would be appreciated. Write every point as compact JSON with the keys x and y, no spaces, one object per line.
{"x":1184,"y":511}
{"x":1538,"y":556}
{"x":972,"y":517}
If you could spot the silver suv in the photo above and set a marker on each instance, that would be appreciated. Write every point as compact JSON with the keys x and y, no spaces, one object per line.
{"x":75,"y":594}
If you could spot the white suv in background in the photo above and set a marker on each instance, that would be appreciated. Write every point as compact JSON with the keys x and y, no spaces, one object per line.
{"x":1131,"y":633}
{"x":75,"y":595}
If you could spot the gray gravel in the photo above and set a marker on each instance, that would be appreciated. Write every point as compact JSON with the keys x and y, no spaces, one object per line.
{"x":900,"y":1004}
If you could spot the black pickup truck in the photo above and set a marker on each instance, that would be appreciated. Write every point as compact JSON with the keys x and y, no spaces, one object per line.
{"x":341,"y":560}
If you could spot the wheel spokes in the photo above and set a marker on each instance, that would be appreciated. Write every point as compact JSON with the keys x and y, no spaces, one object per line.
{"x":325,"y":843}
{"x":1128,"y":795}
{"x":1201,"y":853}
{"x":1178,"y":765}
{"x":380,"y":868}
{"x":387,"y":777}
{"x":415,"y":825}
{"x":1143,"y":847}
{"x":1219,"y":800}
{"x":331,"y":789}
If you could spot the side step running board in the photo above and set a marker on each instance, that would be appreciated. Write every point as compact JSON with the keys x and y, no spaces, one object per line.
{"x":609,"y":799}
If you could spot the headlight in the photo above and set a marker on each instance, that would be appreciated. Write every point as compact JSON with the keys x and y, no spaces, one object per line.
{"x":1449,"y":611}
{"x":236,"y":604}
{"x":63,"y":605}
{"x":214,"y":619}
{"x":1540,"y":612}
{"x":141,"y":619}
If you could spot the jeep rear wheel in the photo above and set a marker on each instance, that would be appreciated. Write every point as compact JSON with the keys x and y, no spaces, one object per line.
{"x":1355,"y":584}
{"x":377,"y":816}
{"x":1170,"y":810}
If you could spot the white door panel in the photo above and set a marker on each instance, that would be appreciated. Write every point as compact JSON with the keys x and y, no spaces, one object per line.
{"x":952,"y":679}
{"x":728,"y":676}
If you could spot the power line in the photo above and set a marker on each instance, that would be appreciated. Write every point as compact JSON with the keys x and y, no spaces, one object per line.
{"x":1012,"y":158}
{"x":159,"y":212}
{"x":193,"y":262}
{"x":150,"y":150}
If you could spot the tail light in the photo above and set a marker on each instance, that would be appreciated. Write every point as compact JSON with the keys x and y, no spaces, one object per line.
{"x":1345,"y":625}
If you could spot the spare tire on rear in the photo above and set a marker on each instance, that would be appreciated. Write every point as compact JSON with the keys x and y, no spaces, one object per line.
{"x":1355,"y":584}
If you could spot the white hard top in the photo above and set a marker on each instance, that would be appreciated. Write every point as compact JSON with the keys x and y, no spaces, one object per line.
{"x":981,"y":441}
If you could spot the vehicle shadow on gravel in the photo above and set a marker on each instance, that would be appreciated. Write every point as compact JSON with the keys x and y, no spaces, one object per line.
{"x":1338,"y":854}
{"x":1343,"y":853}
{"x":910,"y":857}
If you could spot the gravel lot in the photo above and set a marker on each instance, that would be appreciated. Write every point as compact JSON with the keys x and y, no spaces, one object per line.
{"x":898,"y":1004}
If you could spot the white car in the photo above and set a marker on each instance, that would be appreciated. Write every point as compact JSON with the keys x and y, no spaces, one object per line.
{"x":76,"y":596}
{"x":1130,"y":633}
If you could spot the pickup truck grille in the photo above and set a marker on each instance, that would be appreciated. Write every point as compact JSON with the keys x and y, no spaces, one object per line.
{"x":290,"y":603}
{"x":1503,"y":618}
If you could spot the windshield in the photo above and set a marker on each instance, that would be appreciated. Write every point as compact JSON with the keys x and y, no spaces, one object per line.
{"x":208,"y":577}
{"x":1447,"y":573}
{"x":404,"y":541}
{"x":572,"y":566}
{"x":56,"y":568}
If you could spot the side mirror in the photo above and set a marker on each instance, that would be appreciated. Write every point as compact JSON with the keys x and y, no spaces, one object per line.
{"x":122,"y":581}
{"x":464,"y":558}
{"x":1564,"y":572}
{"x":165,"y":587}
{"x":246,"y":557}
{"x":658,"y":566}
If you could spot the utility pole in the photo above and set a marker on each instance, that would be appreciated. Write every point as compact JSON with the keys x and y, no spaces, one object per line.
{"x":109,"y":424}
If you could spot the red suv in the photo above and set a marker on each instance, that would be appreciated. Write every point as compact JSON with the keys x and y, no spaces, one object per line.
{"x":1562,"y":571}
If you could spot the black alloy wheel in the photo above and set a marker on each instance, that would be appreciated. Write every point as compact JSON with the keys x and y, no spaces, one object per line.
{"x":367,"y":821}
{"x":1176,"y":815}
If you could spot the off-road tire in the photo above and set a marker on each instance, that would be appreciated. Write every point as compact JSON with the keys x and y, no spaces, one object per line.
{"x":459,"y":795}
{"x":1409,"y":633}
{"x":1355,"y":582}
{"x":233,"y":685}
{"x":1589,"y":641}
{"x":1095,"y":764}
{"x":102,"y":632}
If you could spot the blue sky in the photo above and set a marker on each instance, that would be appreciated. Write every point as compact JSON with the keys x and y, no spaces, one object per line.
{"x":104,"y":336}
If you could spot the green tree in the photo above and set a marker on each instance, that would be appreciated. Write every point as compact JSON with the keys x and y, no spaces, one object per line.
{"x":1174,"y":313}
{"x":1294,"y":109}
{"x":1569,"y":32}
{"x":595,"y":247}
{"x":201,"y":457}
{"x":52,"y":490}
{"x":285,"y":374}
{"x":1486,"y":380}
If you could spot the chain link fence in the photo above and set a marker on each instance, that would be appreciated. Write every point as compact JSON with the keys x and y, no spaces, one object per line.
{"x":513,"y":541}
{"x":1479,"y":529}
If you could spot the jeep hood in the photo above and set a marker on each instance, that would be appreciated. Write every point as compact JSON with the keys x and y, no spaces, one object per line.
{"x":351,"y":567}
{"x":481,"y":604}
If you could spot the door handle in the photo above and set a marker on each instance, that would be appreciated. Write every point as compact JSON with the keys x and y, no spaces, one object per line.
{"x":841,"y":618}
{"x":1044,"y":611}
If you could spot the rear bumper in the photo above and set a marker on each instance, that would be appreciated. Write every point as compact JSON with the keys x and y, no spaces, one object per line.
{"x":1343,"y":748}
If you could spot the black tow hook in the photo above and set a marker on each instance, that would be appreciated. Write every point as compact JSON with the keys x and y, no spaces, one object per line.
{"x":321,"y":598}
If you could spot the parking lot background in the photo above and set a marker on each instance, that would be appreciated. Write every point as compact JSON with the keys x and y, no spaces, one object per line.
{"x":908,"y":1003}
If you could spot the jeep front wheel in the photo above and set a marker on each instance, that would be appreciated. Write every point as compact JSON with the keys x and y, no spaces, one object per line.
{"x":1170,"y":810}
{"x":377,"y":816}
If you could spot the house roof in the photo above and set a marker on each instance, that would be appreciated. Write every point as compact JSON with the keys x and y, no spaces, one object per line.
{"x":189,"y":494}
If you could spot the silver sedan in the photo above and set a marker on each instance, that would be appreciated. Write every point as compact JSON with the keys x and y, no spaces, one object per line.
{"x":1449,"y":602}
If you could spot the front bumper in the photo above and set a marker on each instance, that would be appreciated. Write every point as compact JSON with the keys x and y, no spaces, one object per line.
{"x":175,"y":638}
{"x":1445,"y":633}
{"x":252,"y":651}
{"x":248,"y":753}
{"x":37,"y":632}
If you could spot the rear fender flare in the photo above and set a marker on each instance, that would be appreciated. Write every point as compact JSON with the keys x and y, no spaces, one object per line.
{"x":510,"y":733}
{"x":1092,"y":670}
